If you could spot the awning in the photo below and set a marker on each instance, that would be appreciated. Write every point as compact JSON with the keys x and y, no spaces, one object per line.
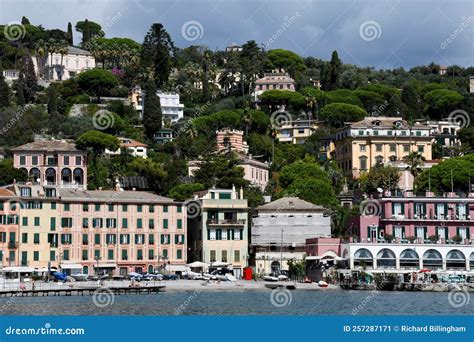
{"x":106,"y":265}
{"x":18,"y":269}
{"x":198,"y":264}
{"x":220,"y":264}
{"x":71,"y":267}
{"x":177,"y":268}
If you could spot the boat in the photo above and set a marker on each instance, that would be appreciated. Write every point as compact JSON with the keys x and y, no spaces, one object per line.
{"x":273,"y":286}
{"x":269,"y":278}
{"x":323,"y":284}
{"x":80,"y":276}
{"x":291,"y":287}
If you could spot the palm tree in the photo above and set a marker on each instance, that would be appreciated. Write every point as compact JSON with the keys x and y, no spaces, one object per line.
{"x":63,"y":49}
{"x":272,"y":131}
{"x":247,"y":120}
{"x":415,"y":162}
{"x":311,"y":104}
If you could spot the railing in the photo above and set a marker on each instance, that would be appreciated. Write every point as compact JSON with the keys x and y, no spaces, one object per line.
{"x":226,"y":222}
{"x":424,"y":217}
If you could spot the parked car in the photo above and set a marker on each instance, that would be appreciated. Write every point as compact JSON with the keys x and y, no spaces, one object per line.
{"x":170,"y":277}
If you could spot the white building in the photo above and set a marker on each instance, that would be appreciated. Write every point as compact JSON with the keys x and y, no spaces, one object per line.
{"x":280,"y":230}
{"x":471,"y":84}
{"x":63,"y":67}
{"x":11,"y":75}
{"x":133,"y":147}
{"x":171,"y":109}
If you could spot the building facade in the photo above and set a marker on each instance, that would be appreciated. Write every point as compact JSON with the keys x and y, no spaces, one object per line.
{"x":276,"y":80}
{"x":359,"y":146}
{"x":9,"y":228}
{"x":218,"y":234}
{"x":132,"y":147}
{"x":52,"y":163}
{"x":171,"y":108}
{"x":98,"y":232}
{"x":296,"y":132}
{"x":280,"y":231}
{"x":63,"y":67}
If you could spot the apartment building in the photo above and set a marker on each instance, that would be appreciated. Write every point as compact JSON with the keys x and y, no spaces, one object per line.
{"x":52,"y":163}
{"x":361,"y":145}
{"x":296,"y":132}
{"x":218,"y":235}
{"x":100,"y":231}
{"x":130,"y":146}
{"x":171,"y":108}
{"x":276,"y":80}
{"x":9,"y":229}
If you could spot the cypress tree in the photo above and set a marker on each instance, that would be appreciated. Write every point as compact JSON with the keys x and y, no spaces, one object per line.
{"x":69,"y":36}
{"x":28,"y":79}
{"x":25,"y":21}
{"x":86,"y":34}
{"x":20,"y":94}
{"x":52,"y":99}
{"x":152,"y":117}
{"x":4,"y":91}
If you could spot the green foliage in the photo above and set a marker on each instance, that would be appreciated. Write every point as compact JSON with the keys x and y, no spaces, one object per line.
{"x":332,"y":73}
{"x":221,"y":171}
{"x":288,"y":60}
{"x":460,"y":167}
{"x":438,"y":103}
{"x":69,"y":35}
{"x":297,"y":268}
{"x":383,"y":90}
{"x":89,"y":29}
{"x":97,"y":141}
{"x":337,"y":113}
{"x":27,"y":78}
{"x":9,"y":174}
{"x":152,"y":117}
{"x":97,"y":81}
{"x":52,"y":96}
{"x":343,"y":96}
{"x":379,"y":176}
{"x":182,"y":192}
{"x":4,"y":92}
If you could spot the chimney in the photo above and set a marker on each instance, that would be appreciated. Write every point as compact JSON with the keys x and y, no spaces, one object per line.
{"x":117,"y":186}
{"x":241,"y":193}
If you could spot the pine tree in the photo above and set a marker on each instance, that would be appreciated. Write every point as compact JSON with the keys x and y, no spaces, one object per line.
{"x":4,"y":91}
{"x":152,"y":117}
{"x":28,"y":79}
{"x":52,"y":95}
{"x":69,"y":35}
{"x":333,"y":73}
{"x":25,"y":21}
{"x":86,"y":34}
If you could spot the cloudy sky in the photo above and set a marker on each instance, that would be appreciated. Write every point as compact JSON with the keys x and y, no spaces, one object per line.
{"x":379,"y":33}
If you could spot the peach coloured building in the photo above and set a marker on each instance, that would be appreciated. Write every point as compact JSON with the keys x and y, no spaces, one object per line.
{"x":9,"y":229}
{"x":276,"y":80}
{"x":52,"y":163}
{"x":231,"y":140}
{"x":101,"y":231}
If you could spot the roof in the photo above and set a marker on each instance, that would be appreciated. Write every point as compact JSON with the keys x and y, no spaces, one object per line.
{"x":112,"y":196}
{"x":48,"y":146}
{"x":6,"y":193}
{"x":290,"y":204}
{"x":384,"y":122}
{"x":275,"y":78}
{"x":243,"y":159}
{"x":72,"y":50}
{"x":131,"y":143}
{"x":138,"y":182}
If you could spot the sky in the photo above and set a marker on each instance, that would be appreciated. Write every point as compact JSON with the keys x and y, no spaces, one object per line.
{"x":383,"y":34}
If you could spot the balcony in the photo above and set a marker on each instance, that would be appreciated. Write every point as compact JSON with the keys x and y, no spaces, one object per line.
{"x":431,"y":217}
{"x":12,"y":245}
{"x":231,"y":222}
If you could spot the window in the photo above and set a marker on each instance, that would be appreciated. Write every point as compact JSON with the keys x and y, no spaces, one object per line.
{"x":66,"y":239}
{"x":36,"y":238}
{"x":97,"y":223}
{"x":110,"y":254}
{"x":361,"y":132}
{"x":378,"y":147}
{"x":165,"y":208}
{"x":97,"y":207}
{"x":124,"y":207}
{"x":111,"y":207}
{"x":85,"y":222}
{"x":151,"y":239}
{"x":179,"y":254}
{"x":237,"y":256}
{"x":151,"y":208}
{"x":151,"y":223}
{"x":418,"y":133}
{"x":224,"y":256}
{"x":393,"y":148}
{"x":139,"y":208}
{"x":53,"y":205}
{"x":213,"y":256}
{"x":151,"y":254}
{"x":36,"y":256}
{"x":52,"y":255}
{"x":139,"y":239}
{"x":34,"y":160}
{"x":180,"y":223}
{"x":165,"y":239}
{"x":363,"y":163}
{"x":165,"y":253}
{"x":78,"y":161}
{"x":85,"y":254}
{"x":124,"y":239}
{"x":165,"y":223}
{"x":66,"y":160}
{"x":124,"y":254}
{"x":97,"y":254}
{"x":124,"y":223}
{"x":139,"y":254}
{"x":111,"y":223}
{"x":24,"y":238}
{"x":66,"y":222}
{"x":67,"y":207}
{"x":362,"y":148}
{"x":97,"y":239}
{"x":110,"y":239}
{"x":139,"y":223}
{"x":37,"y":221}
{"x":22,"y":160}
{"x":421,"y":149}
{"x":24,"y":221}
{"x":85,"y":239}
{"x":180,"y":209}
{"x":406,"y":148}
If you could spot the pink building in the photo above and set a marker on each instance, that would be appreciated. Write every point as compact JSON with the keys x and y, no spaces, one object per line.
{"x":232,"y":140}
{"x":56,"y":163}
{"x":276,"y":80}
{"x":9,"y":228}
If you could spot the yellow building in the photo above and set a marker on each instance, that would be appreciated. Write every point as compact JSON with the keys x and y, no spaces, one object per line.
{"x":296,"y":132}
{"x":379,"y":140}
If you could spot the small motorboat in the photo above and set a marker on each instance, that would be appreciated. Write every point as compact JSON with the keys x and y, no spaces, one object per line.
{"x":269,"y":278}
{"x":323,"y":284}
{"x":291,"y":287}
{"x":273,"y":286}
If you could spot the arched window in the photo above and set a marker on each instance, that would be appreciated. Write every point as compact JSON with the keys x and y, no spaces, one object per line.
{"x":409,"y":259}
{"x":51,"y":176}
{"x":85,"y":270}
{"x":386,"y":258}
{"x":34,"y":174}
{"x":150,"y":268}
{"x":471,"y":260}
{"x":78,"y":176}
{"x":363,"y":257}
{"x":66,"y":176}
{"x":432,"y":259}
{"x":455,"y":259}
{"x":275,"y":267}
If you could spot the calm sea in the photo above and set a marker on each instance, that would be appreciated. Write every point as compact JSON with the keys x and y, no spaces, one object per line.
{"x":337,"y":302}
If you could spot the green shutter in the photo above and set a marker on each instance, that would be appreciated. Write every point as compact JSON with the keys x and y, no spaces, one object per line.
{"x":425,"y":235}
{"x":52,"y":225}
{"x":446,"y":233}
